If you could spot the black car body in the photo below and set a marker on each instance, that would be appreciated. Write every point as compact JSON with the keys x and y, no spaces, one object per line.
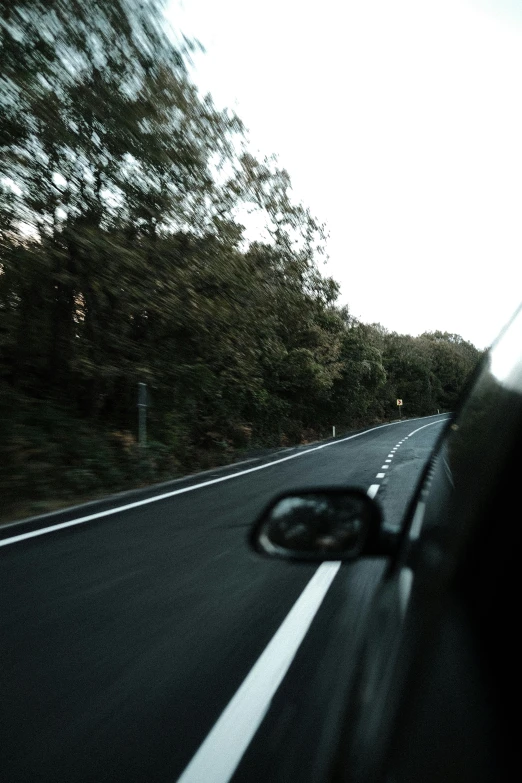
{"x":434,"y":694}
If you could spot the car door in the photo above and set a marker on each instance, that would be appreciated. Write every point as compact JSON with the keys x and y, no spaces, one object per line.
{"x":434,"y":694}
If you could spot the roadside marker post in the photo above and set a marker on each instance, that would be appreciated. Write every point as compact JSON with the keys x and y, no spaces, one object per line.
{"x":142,"y":414}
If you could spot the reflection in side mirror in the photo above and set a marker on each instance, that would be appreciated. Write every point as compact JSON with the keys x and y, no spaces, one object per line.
{"x":318,"y":524}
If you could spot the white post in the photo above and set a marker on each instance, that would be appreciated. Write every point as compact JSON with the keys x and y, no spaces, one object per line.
{"x":142,"y":414}
{"x":333,"y":432}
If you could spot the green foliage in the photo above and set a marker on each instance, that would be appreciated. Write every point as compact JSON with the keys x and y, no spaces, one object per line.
{"x":123,"y":260}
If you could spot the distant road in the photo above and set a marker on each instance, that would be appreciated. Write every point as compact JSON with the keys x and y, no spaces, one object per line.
{"x":125,"y":637}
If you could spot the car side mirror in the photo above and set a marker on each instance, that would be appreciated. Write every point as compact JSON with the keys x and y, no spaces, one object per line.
{"x":326,"y":523}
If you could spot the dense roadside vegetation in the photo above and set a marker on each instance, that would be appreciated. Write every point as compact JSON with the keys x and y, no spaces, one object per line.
{"x":125,"y":258}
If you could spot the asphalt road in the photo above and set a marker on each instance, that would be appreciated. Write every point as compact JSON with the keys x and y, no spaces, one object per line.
{"x":124,"y":638}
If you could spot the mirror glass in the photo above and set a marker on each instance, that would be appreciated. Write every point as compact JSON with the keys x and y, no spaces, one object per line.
{"x":318,"y":525}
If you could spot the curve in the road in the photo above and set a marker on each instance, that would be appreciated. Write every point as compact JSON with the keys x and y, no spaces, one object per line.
{"x":108,"y":512}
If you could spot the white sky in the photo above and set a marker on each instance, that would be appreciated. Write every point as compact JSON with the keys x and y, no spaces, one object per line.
{"x":400,"y":123}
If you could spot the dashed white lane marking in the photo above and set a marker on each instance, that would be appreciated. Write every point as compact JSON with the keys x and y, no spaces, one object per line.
{"x":372,"y":491}
{"x":136,"y":504}
{"x":406,"y":574}
{"x":222,"y":750}
{"x":375,"y":487}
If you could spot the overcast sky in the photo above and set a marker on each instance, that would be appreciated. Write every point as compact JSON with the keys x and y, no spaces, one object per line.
{"x":400,"y":124}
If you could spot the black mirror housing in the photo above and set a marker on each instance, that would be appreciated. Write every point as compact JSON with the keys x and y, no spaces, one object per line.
{"x":322,"y":523}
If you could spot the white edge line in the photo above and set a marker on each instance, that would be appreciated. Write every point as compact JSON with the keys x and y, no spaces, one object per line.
{"x":81,"y":520}
{"x":421,"y":428}
{"x":220,"y":753}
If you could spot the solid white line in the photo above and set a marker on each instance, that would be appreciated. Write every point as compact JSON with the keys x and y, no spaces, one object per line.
{"x":372,"y":491}
{"x":380,"y":475}
{"x":98,"y":515}
{"x":222,"y":750}
{"x":423,"y":427}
